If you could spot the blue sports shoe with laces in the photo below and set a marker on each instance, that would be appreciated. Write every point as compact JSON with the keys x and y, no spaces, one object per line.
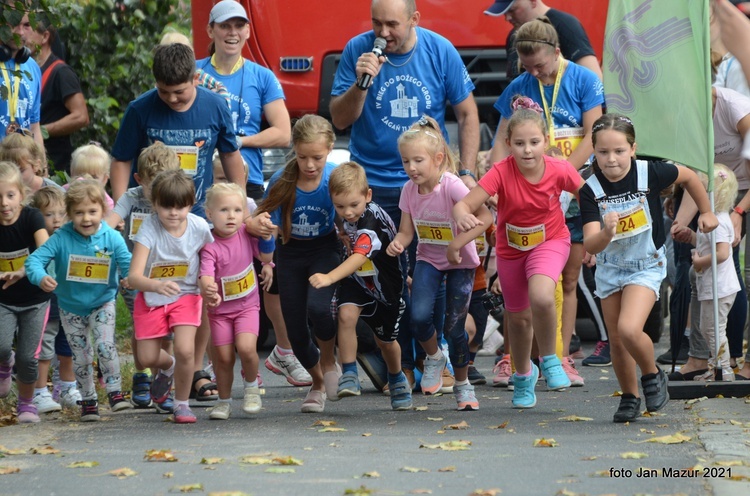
{"x":523,"y":389}
{"x":554,"y":373}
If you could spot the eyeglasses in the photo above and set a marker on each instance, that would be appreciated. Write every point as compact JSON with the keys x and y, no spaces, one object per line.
{"x":15,"y":128}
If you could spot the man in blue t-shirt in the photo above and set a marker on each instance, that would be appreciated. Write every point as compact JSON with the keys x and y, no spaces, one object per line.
{"x":418,"y":72}
{"x":193,"y":121}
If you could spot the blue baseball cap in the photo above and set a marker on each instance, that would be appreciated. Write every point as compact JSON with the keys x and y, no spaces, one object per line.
{"x":499,"y":8}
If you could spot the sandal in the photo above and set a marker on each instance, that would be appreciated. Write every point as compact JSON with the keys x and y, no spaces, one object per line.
{"x":200,"y":393}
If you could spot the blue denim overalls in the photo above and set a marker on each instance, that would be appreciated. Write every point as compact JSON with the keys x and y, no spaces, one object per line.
{"x":631,"y":258}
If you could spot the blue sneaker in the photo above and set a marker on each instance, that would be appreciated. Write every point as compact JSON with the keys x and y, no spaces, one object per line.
{"x":400,"y":393}
{"x":554,"y":373}
{"x":432,"y":376}
{"x":523,"y":389}
{"x":166,"y":406}
{"x":141,"y":395}
{"x":349,"y":385}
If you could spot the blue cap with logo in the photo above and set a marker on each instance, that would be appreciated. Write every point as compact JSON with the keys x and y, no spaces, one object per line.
{"x":499,"y":8}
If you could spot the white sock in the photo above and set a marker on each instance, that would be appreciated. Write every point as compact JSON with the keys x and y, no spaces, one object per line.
{"x":251,"y":384}
{"x":39,"y":390}
{"x":437,"y":356}
{"x":284,"y":351}
{"x":178,"y":403}
{"x":170,"y":371}
{"x":228,"y":400}
{"x":465,"y":382}
{"x":67,"y":385}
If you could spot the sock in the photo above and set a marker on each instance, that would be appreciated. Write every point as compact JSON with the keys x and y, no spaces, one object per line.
{"x":349,"y":367}
{"x":251,"y":384}
{"x":284,"y":351}
{"x":177,"y":403}
{"x":472,"y":357}
{"x":39,"y":390}
{"x":527,"y":374}
{"x":168,"y":372}
{"x":437,"y":356}
{"x":221,"y":400}
{"x":66,"y":385}
{"x":465,"y":382}
{"x":394,"y":378}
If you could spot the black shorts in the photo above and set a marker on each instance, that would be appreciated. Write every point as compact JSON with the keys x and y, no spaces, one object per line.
{"x":382,"y":318}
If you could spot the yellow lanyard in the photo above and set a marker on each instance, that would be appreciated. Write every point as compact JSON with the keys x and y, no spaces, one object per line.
{"x":237,"y":66}
{"x":547,"y":112}
{"x":12,"y":91}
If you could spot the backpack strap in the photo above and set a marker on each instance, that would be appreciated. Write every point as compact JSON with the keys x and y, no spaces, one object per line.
{"x":48,"y":72}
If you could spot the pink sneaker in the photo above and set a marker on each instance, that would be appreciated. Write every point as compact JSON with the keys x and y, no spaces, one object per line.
{"x":502,"y":372}
{"x":569,"y":366}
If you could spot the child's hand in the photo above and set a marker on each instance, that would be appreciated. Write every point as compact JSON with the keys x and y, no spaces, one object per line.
{"x":260,"y":225}
{"x":707,"y":222}
{"x":589,"y":260}
{"x":468,"y":222}
{"x":168,"y":288}
{"x":320,"y":280}
{"x":496,"y":287}
{"x":213,"y":301}
{"x":124,"y":283}
{"x":11,"y":278}
{"x":48,"y":284}
{"x":266,"y":277}
{"x":610,"y":223}
{"x":395,"y":248}
{"x":210,"y":290}
{"x":697,"y":265}
{"x":682,"y":234}
{"x":453,"y":254}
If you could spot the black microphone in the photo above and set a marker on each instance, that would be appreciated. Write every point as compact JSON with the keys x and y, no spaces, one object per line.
{"x":377,"y":49}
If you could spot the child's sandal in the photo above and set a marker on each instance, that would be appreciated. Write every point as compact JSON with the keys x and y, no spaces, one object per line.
{"x":200,"y":393}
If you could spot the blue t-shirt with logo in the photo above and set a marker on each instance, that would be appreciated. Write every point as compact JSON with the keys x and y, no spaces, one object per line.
{"x":250,"y":89}
{"x":398,"y":97}
{"x":27,"y":111}
{"x":314,"y":214}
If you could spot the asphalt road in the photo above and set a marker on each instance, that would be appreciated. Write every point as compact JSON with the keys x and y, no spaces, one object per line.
{"x":374,"y":441}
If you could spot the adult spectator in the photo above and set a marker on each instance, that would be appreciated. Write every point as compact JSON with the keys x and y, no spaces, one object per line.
{"x":20,"y":75}
{"x":574,"y":43}
{"x":63,"y":106}
{"x":255,"y":91}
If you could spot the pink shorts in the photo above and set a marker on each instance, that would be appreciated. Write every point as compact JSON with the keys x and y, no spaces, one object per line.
{"x":157,"y":322}
{"x":547,"y":259}
{"x":225,"y":327}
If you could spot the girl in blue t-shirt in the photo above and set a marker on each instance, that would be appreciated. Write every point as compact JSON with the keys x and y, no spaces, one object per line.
{"x":301,"y":206}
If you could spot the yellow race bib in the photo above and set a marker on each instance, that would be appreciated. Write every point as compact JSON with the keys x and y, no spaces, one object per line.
{"x":566,"y":139}
{"x":482,"y":245}
{"x":434,"y":233}
{"x":188,"y":156}
{"x":93,"y":270}
{"x":14,"y":260}
{"x":524,"y":238}
{"x":631,"y":222}
{"x":169,"y":271}
{"x":367,"y":269}
{"x":239,"y":285}
{"x":136,"y":220}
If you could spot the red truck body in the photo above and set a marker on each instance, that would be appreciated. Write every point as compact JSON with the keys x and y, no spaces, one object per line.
{"x":308,"y":36}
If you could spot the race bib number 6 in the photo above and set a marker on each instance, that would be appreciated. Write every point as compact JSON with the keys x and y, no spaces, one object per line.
{"x":93,"y":270}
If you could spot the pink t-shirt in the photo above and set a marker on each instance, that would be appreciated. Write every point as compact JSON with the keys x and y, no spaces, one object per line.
{"x":526,"y":205}
{"x":433,"y":215}
{"x":231,"y":258}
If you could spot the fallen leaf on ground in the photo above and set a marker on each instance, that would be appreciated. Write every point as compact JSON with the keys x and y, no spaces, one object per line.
{"x":160,"y":456}
{"x":44,"y":450}
{"x":601,"y":473}
{"x":187,"y":488}
{"x":122,"y":473}
{"x":413,"y":470}
{"x":83,"y":464}
{"x":633,"y":455}
{"x":366,"y":434}
{"x":732,"y":463}
{"x":565,"y":492}
{"x":280,"y":470}
{"x":457,"y":427}
{"x":501,"y":426}
{"x":435,"y":419}
{"x":647,"y":431}
{"x":7,"y":451}
{"x":324,"y":423}
{"x":449,"y":445}
{"x":449,"y":468}
{"x":589,"y":458}
{"x":485,"y":492}
{"x":332,"y":429}
{"x":211,"y":461}
{"x":371,"y":475}
{"x":9,"y":470}
{"x":360,"y":491}
{"x":575,"y":418}
{"x":229,"y":493}
{"x":420,"y":408}
{"x":420,"y":491}
{"x":739,"y":478}
{"x":676,"y":438}
{"x":545,"y":443}
{"x":168,"y":475}
{"x":696,"y":400}
{"x":287,"y":460}
{"x":652,"y":414}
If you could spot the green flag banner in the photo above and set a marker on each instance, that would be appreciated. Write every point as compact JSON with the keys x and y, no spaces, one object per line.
{"x":657,"y":72}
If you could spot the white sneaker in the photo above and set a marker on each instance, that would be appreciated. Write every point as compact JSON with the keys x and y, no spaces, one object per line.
{"x":252,"y":402}
{"x":493,"y":340}
{"x":289,"y":367}
{"x":221,"y":411}
{"x":69,"y":398}
{"x":44,"y":403}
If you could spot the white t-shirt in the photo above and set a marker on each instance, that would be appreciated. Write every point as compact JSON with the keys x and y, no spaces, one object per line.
{"x":173,"y":258}
{"x":731,"y":107}
{"x":729,"y":74}
{"x":728,"y":283}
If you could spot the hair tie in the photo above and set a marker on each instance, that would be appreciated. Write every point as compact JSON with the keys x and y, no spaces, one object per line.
{"x":526,"y":40}
{"x":721,"y":174}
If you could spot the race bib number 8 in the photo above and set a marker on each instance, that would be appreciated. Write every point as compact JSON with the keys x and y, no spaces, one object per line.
{"x":93,"y":270}
{"x":240,"y":285}
{"x":524,"y":238}
{"x":631,"y":222}
{"x":169,"y":271}
{"x":13,"y":261}
{"x":434,"y":233}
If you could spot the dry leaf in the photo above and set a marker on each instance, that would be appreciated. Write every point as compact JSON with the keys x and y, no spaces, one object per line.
{"x":449,"y":445}
{"x":575,"y":418}
{"x":123,"y":473}
{"x":449,"y":468}
{"x":7,"y":451}
{"x":280,"y":470}
{"x":485,"y":492}
{"x":256,"y":460}
{"x":589,"y":458}
{"x":739,"y":478}
{"x":211,"y":461}
{"x":229,"y":493}
{"x":501,"y":426}
{"x":565,"y":492}
{"x":44,"y":450}
{"x":160,"y":456}
{"x":168,"y":475}
{"x":332,"y":429}
{"x":676,"y":438}
{"x":287,"y":460}
{"x":420,"y":408}
{"x":366,"y":434}
{"x":601,"y":473}
{"x":324,"y":423}
{"x":83,"y":465}
{"x":435,"y":419}
{"x":457,"y":427}
{"x":371,"y":475}
{"x":360,"y":491}
{"x":545,"y":443}
{"x":696,"y":400}
{"x":413,"y":470}
{"x":732,"y":463}
{"x":633,"y":455}
{"x":420,"y":491}
{"x":187,"y":488}
{"x":647,"y":431}
{"x":9,"y":470}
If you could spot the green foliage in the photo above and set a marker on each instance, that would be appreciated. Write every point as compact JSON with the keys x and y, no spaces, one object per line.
{"x":109,"y":45}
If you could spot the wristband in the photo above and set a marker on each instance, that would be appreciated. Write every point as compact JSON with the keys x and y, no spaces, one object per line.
{"x":467,"y":172}
{"x":267,"y":245}
{"x":273,"y":265}
{"x":738,"y":210}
